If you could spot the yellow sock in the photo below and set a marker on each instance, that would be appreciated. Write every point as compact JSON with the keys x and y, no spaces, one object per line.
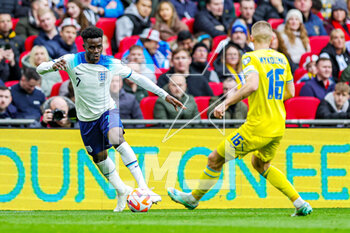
{"x":208,"y":178}
{"x":279,"y":180}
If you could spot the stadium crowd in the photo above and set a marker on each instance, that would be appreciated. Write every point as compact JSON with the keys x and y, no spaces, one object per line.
{"x":196,"y":45}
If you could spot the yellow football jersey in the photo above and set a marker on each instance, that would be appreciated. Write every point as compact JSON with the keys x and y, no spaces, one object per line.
{"x":266,"y":116}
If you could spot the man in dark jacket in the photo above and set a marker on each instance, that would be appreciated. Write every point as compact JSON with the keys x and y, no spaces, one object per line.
{"x":322,"y":84}
{"x":336,"y":105}
{"x":270,"y":9}
{"x":337,"y":53}
{"x":7,"y":110}
{"x":212,"y":20}
{"x":13,"y":8}
{"x":185,"y":8}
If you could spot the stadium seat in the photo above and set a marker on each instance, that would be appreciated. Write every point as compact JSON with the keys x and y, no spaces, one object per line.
{"x":14,"y":23}
{"x":317,"y":43}
{"x":11,"y":83}
{"x":217,"y":40}
{"x":246,"y":102}
{"x":298,"y":87}
{"x":216,"y":87}
{"x":299,"y":73}
{"x":55,"y":90}
{"x":275,"y":22}
{"x":189,"y":23}
{"x":202,"y":105}
{"x":237,"y":10}
{"x":107,"y":25}
{"x":172,"y":38}
{"x":64,"y":75}
{"x":127,"y":42}
{"x":153,"y":20}
{"x":303,"y":58}
{"x":147,"y":106}
{"x":29,"y":42}
{"x":160,"y":71}
{"x":21,"y":57}
{"x":302,"y":107}
{"x":79,"y":42}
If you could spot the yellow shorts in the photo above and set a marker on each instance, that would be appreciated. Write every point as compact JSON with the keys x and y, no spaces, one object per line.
{"x":240,"y":142}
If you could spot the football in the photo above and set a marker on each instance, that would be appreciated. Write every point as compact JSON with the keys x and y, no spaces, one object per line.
{"x":139,"y":201}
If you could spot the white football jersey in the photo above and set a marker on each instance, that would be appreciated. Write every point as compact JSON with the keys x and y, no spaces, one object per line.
{"x":91,"y":83}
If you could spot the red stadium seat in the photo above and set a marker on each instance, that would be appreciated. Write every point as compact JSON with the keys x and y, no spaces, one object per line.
{"x":302,"y":107}
{"x":79,"y":42}
{"x":299,"y":73}
{"x":55,"y":90}
{"x":127,"y":42}
{"x":11,"y":83}
{"x":14,"y":23}
{"x":189,"y":23}
{"x":275,"y":22}
{"x":107,"y":25}
{"x":147,"y":106}
{"x":21,"y":57}
{"x":172,"y":38}
{"x":202,"y":105}
{"x":217,"y":40}
{"x":246,"y":102}
{"x":317,"y":43}
{"x":237,"y":10}
{"x":216,"y":87}
{"x":64,"y":75}
{"x":160,"y":71}
{"x":298,"y":87}
{"x":29,"y":42}
{"x":153,"y":20}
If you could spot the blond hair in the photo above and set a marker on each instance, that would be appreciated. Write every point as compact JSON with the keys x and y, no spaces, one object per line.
{"x":32,"y":54}
{"x":303,"y":34}
{"x":333,"y":33}
{"x":262,"y":32}
{"x":342,"y":87}
{"x":42,"y":11}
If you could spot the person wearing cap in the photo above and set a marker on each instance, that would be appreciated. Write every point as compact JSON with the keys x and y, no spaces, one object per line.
{"x":313,"y":24}
{"x":270,"y":9}
{"x":212,"y":19}
{"x":310,"y":66}
{"x":185,"y":40}
{"x":205,"y":39}
{"x":239,"y":35}
{"x":339,"y":19}
{"x":336,"y":51}
{"x":200,"y":65}
{"x":295,"y":36}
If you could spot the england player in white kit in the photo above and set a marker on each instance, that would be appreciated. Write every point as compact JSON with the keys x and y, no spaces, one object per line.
{"x":100,"y":125}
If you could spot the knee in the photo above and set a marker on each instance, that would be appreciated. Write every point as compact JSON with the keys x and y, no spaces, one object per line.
{"x":215,"y":162}
{"x":99,"y":157}
{"x":258,"y":165}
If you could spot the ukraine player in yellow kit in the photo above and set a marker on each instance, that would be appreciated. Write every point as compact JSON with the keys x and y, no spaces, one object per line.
{"x":268,"y":83}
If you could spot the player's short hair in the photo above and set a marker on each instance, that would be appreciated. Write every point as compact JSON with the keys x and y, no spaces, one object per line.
{"x":178,"y":50}
{"x":240,"y":2}
{"x":135,"y":47}
{"x":30,"y":73}
{"x":342,"y":87}
{"x":4,"y":88}
{"x":262,"y":32}
{"x":323,"y":59}
{"x":91,"y":32}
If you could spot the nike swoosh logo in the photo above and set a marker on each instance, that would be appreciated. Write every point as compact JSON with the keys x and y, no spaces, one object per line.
{"x":77,"y":73}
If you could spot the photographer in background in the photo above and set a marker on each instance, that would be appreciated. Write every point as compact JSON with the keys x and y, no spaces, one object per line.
{"x":57,"y":113}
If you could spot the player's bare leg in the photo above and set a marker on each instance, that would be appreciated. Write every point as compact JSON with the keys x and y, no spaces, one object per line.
{"x":107,"y":168}
{"x":207,"y":180}
{"x":279,"y":180}
{"x":116,"y":138}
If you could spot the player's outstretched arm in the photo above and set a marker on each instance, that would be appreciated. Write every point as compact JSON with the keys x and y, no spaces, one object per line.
{"x":147,"y":84}
{"x":50,"y":66}
{"x":247,"y":89}
{"x":289,"y":91}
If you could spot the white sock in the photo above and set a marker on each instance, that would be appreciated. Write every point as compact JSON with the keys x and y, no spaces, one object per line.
{"x":298,"y":203}
{"x":130,"y":161}
{"x":107,"y":167}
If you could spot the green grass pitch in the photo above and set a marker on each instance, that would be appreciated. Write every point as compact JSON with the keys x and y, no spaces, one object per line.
{"x":214,"y":221}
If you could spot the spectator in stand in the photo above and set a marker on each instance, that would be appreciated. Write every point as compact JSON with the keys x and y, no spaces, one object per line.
{"x":69,"y":29}
{"x":339,"y":19}
{"x":7,"y":110}
{"x":66,"y":90}
{"x":107,"y":50}
{"x":295,"y":36}
{"x":230,"y":65}
{"x":278,"y":45}
{"x":185,"y":40}
{"x":270,"y":9}
{"x":322,"y":84}
{"x":317,"y":9}
{"x":337,"y":53}
{"x":247,"y":8}
{"x":108,"y":8}
{"x":239,"y":35}
{"x":135,"y":20}
{"x":205,"y":39}
{"x":325,"y":8}
{"x":228,"y":7}
{"x":185,"y":8}
{"x":167,"y":22}
{"x":57,"y":113}
{"x":30,"y":24}
{"x":212,"y":20}
{"x":310,"y":66}
{"x":336,"y":104}
{"x":236,"y":111}
{"x":177,"y":87}
{"x":13,"y":7}
{"x":89,"y":12}
{"x":181,"y":61}
{"x":8,"y":36}
{"x":312,"y":23}
{"x":26,"y":97}
{"x":127,"y":104}
{"x":200,"y":65}
{"x":75,"y":10}
{"x":9,"y":68}
{"x":37,"y":55}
